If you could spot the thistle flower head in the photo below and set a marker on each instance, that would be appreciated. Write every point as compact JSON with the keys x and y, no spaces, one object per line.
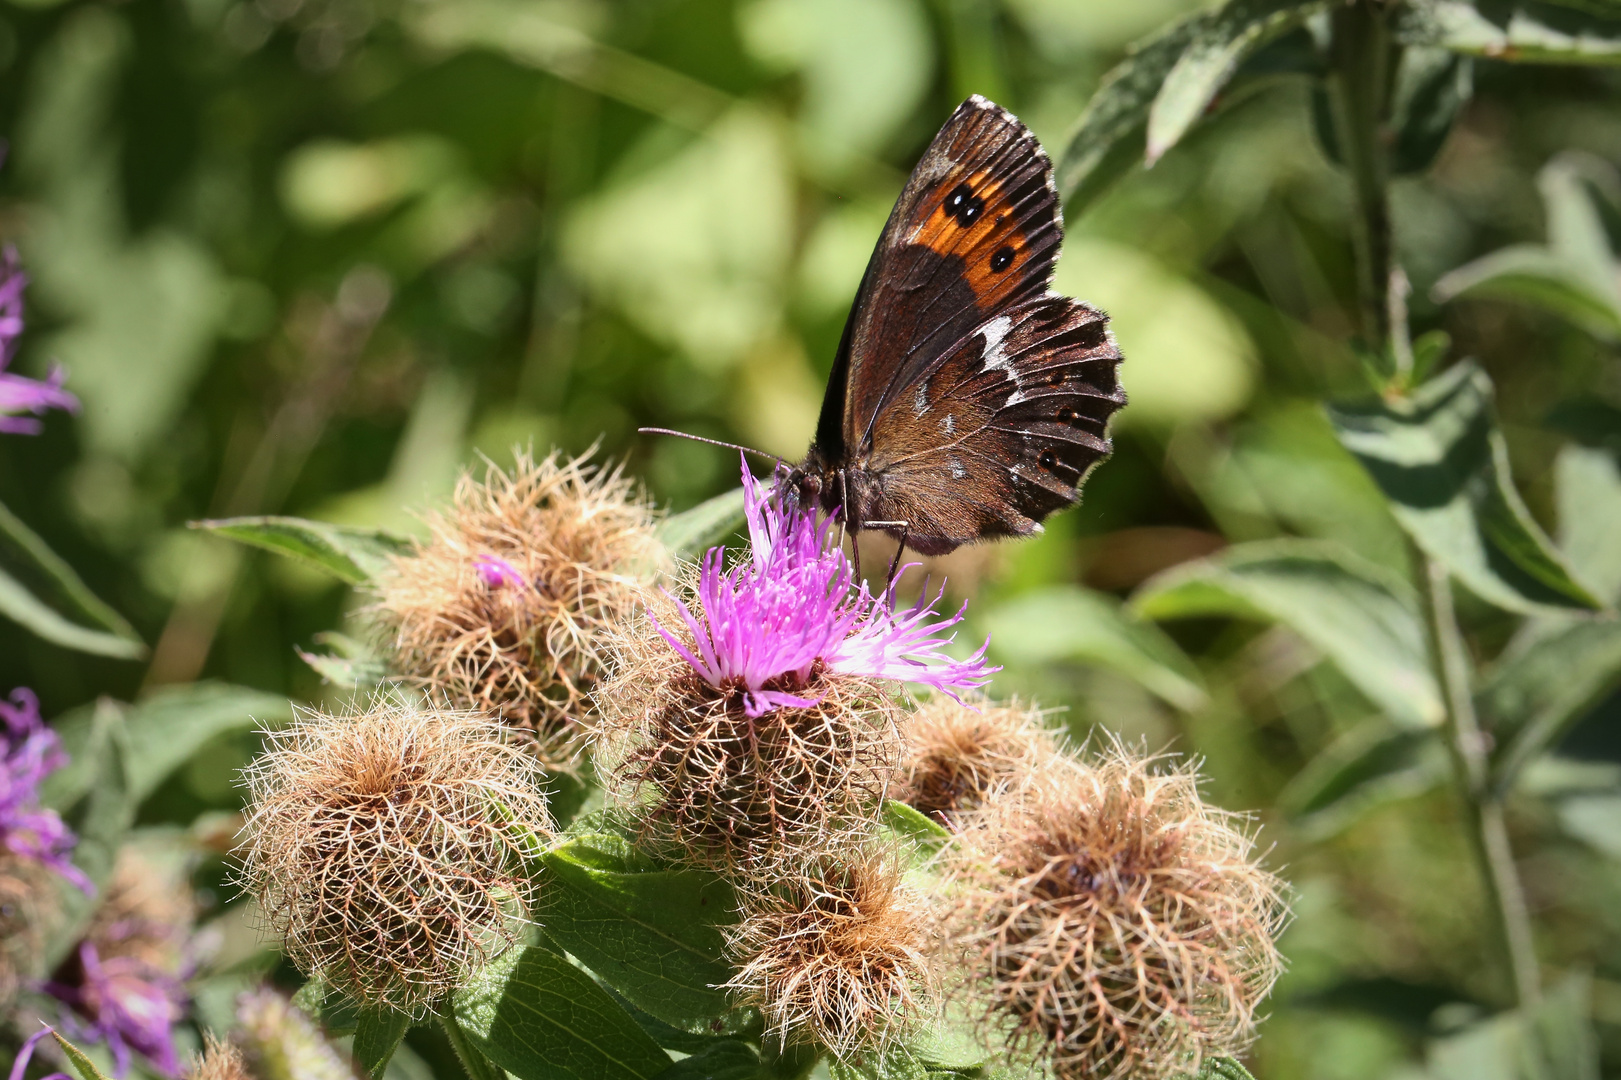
{"x":793,"y":610}
{"x":502,"y":611}
{"x":387,"y":848}
{"x":284,"y":1044}
{"x":29,"y":752}
{"x":836,"y":955}
{"x":1117,"y":926}
{"x":220,"y":1060}
{"x":958,"y":755}
{"x":18,"y":394}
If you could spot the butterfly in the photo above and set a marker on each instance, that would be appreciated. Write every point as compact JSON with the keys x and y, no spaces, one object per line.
{"x":967,"y":400}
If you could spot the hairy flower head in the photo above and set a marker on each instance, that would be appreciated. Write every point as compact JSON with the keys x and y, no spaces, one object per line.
{"x":836,"y":955}
{"x":1116,"y":925}
{"x":503,"y":610}
{"x":19,"y":394}
{"x":959,"y":754}
{"x":220,"y":1060}
{"x":26,"y":893}
{"x":387,"y":848}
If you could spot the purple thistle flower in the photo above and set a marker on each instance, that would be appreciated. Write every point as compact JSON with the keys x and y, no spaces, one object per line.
{"x":497,"y":573}
{"x":29,"y":752}
{"x":768,"y":622}
{"x":128,"y":1004}
{"x":19,"y":1067}
{"x":19,"y":394}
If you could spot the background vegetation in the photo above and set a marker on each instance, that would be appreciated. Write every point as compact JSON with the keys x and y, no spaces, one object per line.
{"x":313,"y":257}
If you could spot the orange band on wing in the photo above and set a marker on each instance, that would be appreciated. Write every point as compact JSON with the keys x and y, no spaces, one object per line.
{"x":970,"y":218}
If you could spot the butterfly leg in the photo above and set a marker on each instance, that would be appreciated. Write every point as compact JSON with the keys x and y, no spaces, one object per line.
{"x":900,"y":549}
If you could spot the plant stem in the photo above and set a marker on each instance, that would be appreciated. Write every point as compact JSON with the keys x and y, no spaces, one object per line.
{"x":1466,"y":745}
{"x":477,"y":1066}
{"x":1363,"y":58}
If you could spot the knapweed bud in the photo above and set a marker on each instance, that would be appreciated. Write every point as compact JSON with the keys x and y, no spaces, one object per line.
{"x":502,"y":611}
{"x":387,"y":848}
{"x":836,"y":955}
{"x":1115,"y":924}
{"x":220,"y":1060}
{"x":284,"y":1044}
{"x":957,"y":754}
{"x":764,"y":723}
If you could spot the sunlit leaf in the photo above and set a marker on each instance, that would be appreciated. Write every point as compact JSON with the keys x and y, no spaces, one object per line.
{"x":28,"y":611}
{"x":692,"y":532}
{"x":24,"y":548}
{"x":351,"y":663}
{"x":1068,"y":623}
{"x":1365,"y":768}
{"x":79,"y":1059}
{"x":1441,"y":461}
{"x":1536,"y":276}
{"x":1587,"y":483}
{"x":377,"y":1036}
{"x":1523,"y":31}
{"x":541,"y":1018}
{"x":652,"y":934}
{"x":352,"y":555}
{"x":1552,"y":1041}
{"x":726,"y":1059}
{"x":919,"y":830}
{"x":1220,"y":42}
{"x":1362,"y":618}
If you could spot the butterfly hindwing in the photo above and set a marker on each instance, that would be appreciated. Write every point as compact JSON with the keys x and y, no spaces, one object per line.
{"x":1003,"y":431}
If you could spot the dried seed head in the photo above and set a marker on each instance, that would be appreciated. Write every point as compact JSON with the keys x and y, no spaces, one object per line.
{"x":387,"y":848}
{"x":502,"y":611}
{"x":711,"y":784}
{"x":959,"y":754}
{"x":147,"y":915}
{"x":25,"y":890}
{"x":219,"y":1061}
{"x":1115,"y":923}
{"x":836,"y":955}
{"x":284,"y":1044}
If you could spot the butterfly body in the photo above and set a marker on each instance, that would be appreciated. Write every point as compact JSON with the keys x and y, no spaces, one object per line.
{"x":967,"y":401}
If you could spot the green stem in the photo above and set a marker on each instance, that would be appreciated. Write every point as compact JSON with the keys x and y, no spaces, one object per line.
{"x":477,"y":1066}
{"x":1363,"y":58}
{"x":1466,"y":744}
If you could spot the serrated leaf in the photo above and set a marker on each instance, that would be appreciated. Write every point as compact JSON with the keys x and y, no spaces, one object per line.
{"x":354,"y":556}
{"x":1441,"y":461}
{"x":1220,"y":42}
{"x":1523,"y":32}
{"x":1539,"y":691}
{"x":25,"y":548}
{"x":1367,"y":767}
{"x":79,"y":1059}
{"x":652,"y":934}
{"x":1069,"y":623}
{"x":692,"y":532}
{"x":1360,"y":617}
{"x":539,"y":1017}
{"x":377,"y":1035}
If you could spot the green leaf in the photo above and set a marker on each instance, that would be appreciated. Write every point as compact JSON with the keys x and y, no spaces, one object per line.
{"x":948,"y":1044}
{"x":1554,"y":1041}
{"x":24,"y":547}
{"x":692,"y":532}
{"x":1367,"y":767}
{"x":539,"y":1017}
{"x":354,"y":556}
{"x":726,"y":1059}
{"x":1069,"y":623}
{"x":1594,"y":819}
{"x":1587,"y":484}
{"x":652,"y":934}
{"x":1362,"y":618}
{"x":922,"y":832}
{"x":1540,"y":690}
{"x":1220,"y":42}
{"x":1441,"y":461}
{"x":81,"y":1062}
{"x":351,"y":664}
{"x":1521,"y":32}
{"x":1223,"y":1069}
{"x":1432,"y":87}
{"x":1110,"y":136}
{"x":1533,"y":275}
{"x":377,"y":1035}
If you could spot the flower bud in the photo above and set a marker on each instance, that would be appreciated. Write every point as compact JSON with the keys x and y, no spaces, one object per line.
{"x":284,"y":1044}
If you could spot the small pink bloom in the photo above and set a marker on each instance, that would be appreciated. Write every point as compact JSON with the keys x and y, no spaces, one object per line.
{"x":29,"y":752}
{"x":795,"y":603}
{"x":497,"y":573}
{"x":19,"y":394}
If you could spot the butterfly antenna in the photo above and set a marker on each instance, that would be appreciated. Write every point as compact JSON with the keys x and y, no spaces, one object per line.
{"x":761,"y":454}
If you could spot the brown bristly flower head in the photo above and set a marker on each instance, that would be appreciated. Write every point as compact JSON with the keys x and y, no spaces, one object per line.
{"x":502,"y":611}
{"x":284,"y":1044}
{"x":147,"y":915}
{"x":1114,"y":923}
{"x":387,"y":848}
{"x":711,"y":785}
{"x":836,"y":955}
{"x":220,"y":1060}
{"x":26,"y":889}
{"x":959,"y":753}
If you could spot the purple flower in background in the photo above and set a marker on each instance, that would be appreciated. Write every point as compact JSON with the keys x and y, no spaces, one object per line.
{"x":496,"y":572}
{"x":17,"y":394}
{"x":128,"y":1004}
{"x":795,"y":604}
{"x":29,"y":752}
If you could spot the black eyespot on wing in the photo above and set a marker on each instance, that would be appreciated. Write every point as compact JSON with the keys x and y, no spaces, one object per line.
{"x":1067,"y":415}
{"x":964,"y":205}
{"x":1002,"y":259}
{"x":1047,"y":460}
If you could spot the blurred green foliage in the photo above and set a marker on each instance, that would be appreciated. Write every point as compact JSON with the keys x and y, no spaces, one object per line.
{"x":312,"y":257}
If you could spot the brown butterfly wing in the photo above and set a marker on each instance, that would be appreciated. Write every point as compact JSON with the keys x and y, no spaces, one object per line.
{"x":1002,"y":432}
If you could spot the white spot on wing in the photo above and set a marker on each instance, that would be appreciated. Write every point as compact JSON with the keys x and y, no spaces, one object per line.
{"x":920,"y":401}
{"x":995,"y":333}
{"x":957,"y":471}
{"x":949,"y":424}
